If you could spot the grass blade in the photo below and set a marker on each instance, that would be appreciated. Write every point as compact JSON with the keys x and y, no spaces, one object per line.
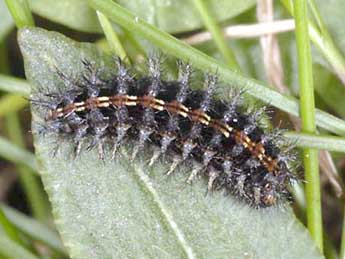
{"x":311,"y":161}
{"x":200,"y":60}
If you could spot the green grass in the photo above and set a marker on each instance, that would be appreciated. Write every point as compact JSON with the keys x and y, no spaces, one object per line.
{"x":307,"y":104}
{"x":112,"y":38}
{"x":174,"y":47}
{"x":217,"y":34}
{"x":13,"y":149}
{"x":21,"y":12}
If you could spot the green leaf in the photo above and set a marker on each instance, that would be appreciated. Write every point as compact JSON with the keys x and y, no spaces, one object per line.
{"x":16,"y":154}
{"x":122,"y":209}
{"x":13,"y":250}
{"x":165,"y":14}
{"x":14,"y":85}
{"x":6,"y":23}
{"x":329,"y":89}
{"x":180,"y":15}
{"x":11,"y":103}
{"x":33,"y":228}
{"x":74,"y":14}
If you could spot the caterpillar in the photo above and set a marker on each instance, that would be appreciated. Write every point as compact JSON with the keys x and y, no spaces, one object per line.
{"x":224,"y":144}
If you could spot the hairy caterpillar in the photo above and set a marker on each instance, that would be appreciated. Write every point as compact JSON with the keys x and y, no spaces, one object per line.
{"x":225,"y":144}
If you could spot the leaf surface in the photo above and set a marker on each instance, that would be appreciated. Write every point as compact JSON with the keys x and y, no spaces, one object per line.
{"x":122,"y":209}
{"x":169,"y":15}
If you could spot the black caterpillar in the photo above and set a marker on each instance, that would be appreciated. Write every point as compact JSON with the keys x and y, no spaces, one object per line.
{"x":226,"y":145}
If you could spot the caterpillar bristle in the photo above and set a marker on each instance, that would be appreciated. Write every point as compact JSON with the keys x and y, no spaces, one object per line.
{"x":224,"y":144}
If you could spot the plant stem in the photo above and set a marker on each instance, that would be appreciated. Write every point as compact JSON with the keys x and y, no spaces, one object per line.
{"x":112,"y":38}
{"x":326,"y":142}
{"x":201,"y":61}
{"x":244,"y":31}
{"x":311,"y":163}
{"x":20,"y":11}
{"x":318,"y":19}
{"x":217,"y":34}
